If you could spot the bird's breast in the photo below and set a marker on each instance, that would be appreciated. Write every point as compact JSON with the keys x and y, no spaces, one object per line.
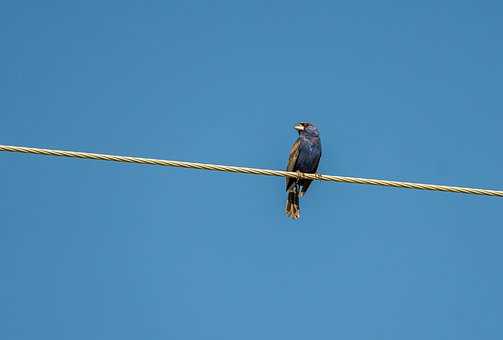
{"x":309,"y":155}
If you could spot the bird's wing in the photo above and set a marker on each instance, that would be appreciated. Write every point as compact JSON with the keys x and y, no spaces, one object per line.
{"x":292,"y":161}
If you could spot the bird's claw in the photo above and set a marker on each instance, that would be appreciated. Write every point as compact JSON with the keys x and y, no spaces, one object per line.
{"x":300,"y":175}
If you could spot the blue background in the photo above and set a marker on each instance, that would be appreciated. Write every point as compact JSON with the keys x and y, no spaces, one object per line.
{"x":399,"y":90}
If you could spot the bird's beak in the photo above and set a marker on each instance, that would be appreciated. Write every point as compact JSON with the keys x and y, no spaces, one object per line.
{"x":299,"y":127}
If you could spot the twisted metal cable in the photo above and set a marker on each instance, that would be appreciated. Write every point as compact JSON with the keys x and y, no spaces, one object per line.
{"x":253,"y":171}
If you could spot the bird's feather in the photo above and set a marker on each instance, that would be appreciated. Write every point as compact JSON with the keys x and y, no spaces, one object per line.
{"x":292,"y":161}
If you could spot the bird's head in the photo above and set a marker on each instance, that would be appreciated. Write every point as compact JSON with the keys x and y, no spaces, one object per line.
{"x":307,"y":129}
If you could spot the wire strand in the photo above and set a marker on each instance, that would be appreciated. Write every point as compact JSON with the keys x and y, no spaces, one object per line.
{"x":252,"y":171}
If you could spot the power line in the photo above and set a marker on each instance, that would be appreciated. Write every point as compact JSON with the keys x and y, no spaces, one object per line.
{"x":252,"y":171}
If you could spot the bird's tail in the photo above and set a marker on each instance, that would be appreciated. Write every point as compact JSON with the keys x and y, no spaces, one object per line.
{"x":292,"y":204}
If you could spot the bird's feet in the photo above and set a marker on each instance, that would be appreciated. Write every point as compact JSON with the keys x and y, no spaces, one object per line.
{"x":300,"y":175}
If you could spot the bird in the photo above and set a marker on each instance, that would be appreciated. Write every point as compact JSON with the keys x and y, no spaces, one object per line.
{"x":304,"y":157}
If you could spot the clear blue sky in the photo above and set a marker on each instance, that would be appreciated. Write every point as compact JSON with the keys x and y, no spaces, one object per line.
{"x":404,"y":91}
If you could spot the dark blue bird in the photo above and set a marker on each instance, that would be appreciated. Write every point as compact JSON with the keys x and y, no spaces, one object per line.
{"x":304,"y":157}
